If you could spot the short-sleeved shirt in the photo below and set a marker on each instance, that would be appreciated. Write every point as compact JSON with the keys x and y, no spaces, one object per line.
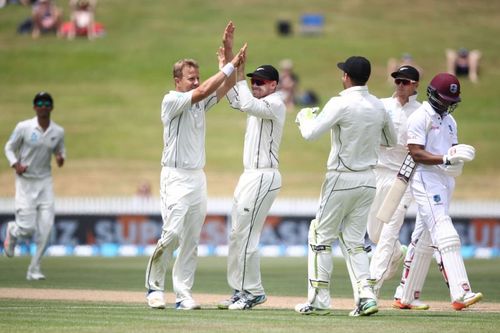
{"x":184,"y":130}
{"x":30,"y":145}
{"x":437,"y":134}
{"x":392,"y":157}
{"x":264,"y":129}
{"x":359,"y":124}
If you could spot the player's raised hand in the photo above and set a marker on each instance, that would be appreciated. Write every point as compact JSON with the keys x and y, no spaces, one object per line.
{"x":221,"y":57}
{"x":240,"y":57}
{"x":228,"y":40}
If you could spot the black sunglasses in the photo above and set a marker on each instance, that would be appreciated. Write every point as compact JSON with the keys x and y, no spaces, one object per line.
{"x":43,"y":103}
{"x":403,"y":81}
{"x":259,"y":82}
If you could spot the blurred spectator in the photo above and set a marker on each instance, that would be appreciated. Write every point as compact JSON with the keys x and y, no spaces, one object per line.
{"x":288,"y":82}
{"x":393,"y":64}
{"x":46,"y":17}
{"x":144,"y":190}
{"x":82,"y":21}
{"x":463,"y":63}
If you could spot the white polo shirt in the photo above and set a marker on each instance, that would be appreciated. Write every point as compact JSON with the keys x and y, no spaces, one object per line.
{"x":264,"y":129}
{"x":437,"y":134}
{"x":33,"y":147}
{"x":184,"y":130}
{"x":392,"y":157}
{"x":358,"y":123}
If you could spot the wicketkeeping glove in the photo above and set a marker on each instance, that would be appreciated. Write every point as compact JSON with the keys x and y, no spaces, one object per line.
{"x":463,"y":153}
{"x":306,"y":114}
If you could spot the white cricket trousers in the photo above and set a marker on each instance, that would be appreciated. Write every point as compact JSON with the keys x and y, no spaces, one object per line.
{"x":34,"y":204}
{"x":345,"y":201}
{"x":432,"y":192}
{"x":253,"y":197}
{"x":183,"y":195}
{"x":388,"y":253}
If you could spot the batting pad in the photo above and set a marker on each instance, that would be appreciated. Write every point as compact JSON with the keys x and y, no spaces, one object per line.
{"x":418,"y":269}
{"x":449,"y":245}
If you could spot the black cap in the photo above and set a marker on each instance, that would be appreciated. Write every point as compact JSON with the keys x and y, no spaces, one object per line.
{"x":266,"y":72}
{"x":358,"y":68}
{"x":406,"y":72}
{"x":43,"y":96}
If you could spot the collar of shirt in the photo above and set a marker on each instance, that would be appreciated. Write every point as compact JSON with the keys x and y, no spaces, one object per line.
{"x":355,"y":89}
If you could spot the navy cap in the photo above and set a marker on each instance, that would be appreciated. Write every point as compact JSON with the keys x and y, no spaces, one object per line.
{"x":266,"y":72}
{"x":357,"y":67}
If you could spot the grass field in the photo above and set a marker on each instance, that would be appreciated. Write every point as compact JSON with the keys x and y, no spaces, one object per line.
{"x":281,"y":276}
{"x":107,"y":92}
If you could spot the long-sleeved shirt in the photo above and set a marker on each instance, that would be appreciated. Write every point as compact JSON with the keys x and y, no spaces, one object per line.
{"x":358,"y":123}
{"x":264,"y":128}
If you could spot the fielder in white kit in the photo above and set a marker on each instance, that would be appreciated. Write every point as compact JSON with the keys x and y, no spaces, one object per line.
{"x":183,"y":189}
{"x":433,"y":144}
{"x":259,"y":184}
{"x":358,"y":124}
{"x":388,"y":254}
{"x":29,"y":151}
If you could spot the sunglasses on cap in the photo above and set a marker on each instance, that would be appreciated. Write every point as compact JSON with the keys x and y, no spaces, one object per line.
{"x":259,"y":82}
{"x":41,"y":103}
{"x":405,"y":82}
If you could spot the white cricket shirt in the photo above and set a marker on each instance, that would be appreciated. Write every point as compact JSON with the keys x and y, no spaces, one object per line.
{"x":264,"y":129}
{"x":358,"y":123}
{"x":437,"y":134}
{"x":184,"y":130}
{"x":33,"y":147}
{"x":392,"y":157}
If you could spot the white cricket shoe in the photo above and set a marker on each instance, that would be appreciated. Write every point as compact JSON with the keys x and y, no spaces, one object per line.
{"x":416,"y":304}
{"x":35,"y":275}
{"x":308,"y":309}
{"x":224,"y":305}
{"x":187,"y":304}
{"x":9,"y":244}
{"x":247,"y":301}
{"x":469,"y":299}
{"x":156,"y":299}
{"x":366,"y":307}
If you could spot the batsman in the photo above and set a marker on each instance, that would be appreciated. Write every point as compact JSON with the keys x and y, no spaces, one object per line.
{"x":433,"y":144}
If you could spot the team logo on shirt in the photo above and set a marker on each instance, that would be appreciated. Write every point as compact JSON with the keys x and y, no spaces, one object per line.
{"x":451,"y":129}
{"x":436,"y":198}
{"x":34,"y":137}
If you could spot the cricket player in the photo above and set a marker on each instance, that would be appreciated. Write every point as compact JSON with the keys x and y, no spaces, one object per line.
{"x":433,"y":144}
{"x":389,"y":253}
{"x":358,"y":124}
{"x":259,"y":184}
{"x":29,"y":151}
{"x":183,"y":189}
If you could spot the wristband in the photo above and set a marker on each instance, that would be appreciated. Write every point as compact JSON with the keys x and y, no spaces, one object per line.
{"x":446,"y":161}
{"x":227,"y":69}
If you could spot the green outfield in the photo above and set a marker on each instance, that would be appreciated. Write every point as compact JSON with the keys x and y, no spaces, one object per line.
{"x":107,"y":92}
{"x":281,"y":276}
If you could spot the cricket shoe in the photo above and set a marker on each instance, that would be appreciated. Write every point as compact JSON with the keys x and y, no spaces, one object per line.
{"x":35,"y":276}
{"x":469,"y":299}
{"x":247,"y":301}
{"x":156,"y":299}
{"x":308,"y":309}
{"x":224,"y":305}
{"x":416,"y":304}
{"x":9,"y":244}
{"x":366,"y":307}
{"x":187,"y":304}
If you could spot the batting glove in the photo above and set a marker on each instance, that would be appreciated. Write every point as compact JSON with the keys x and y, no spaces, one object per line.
{"x":306,"y":114}
{"x":453,"y":170}
{"x":459,"y":153}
